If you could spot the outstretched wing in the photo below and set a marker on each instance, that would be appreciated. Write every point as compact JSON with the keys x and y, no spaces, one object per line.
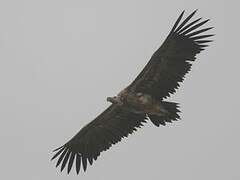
{"x":99,"y":135}
{"x":169,"y":64}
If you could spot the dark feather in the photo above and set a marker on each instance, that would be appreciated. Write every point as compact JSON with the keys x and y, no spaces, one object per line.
{"x":65,"y":160}
{"x":60,"y":150}
{"x":84,"y":163}
{"x":61,"y":157}
{"x":99,"y":135}
{"x":198,"y":32}
{"x":186,"y":20}
{"x":188,"y":26}
{"x":78,"y":163}
{"x":203,"y":41}
{"x":201,"y":37}
{"x":171,"y":62}
{"x":177,"y":22}
{"x":194,"y":27}
{"x":70,"y":163}
{"x":170,"y":115}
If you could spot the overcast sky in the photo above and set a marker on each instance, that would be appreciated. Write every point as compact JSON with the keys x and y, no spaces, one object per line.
{"x":59,"y":60}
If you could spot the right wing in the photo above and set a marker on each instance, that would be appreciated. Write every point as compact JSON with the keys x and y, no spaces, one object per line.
{"x":170,"y":63}
{"x":99,"y":135}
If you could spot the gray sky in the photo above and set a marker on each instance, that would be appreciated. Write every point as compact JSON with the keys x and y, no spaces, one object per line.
{"x":61,"y":59}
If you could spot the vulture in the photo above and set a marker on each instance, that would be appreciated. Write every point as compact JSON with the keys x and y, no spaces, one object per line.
{"x":143,"y":100}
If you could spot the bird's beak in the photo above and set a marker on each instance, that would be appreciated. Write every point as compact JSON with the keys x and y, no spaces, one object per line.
{"x":111,"y":99}
{"x":114,"y":100}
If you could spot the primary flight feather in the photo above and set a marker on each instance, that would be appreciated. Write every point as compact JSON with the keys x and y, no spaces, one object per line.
{"x":142,"y":100}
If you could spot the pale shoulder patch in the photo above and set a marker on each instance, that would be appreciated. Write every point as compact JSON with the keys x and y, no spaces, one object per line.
{"x":145,"y":99}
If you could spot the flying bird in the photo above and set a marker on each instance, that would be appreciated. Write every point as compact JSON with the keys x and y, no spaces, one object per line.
{"x":143,"y":100}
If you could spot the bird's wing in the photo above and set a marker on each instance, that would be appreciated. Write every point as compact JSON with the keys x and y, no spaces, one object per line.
{"x":99,"y":135}
{"x":169,"y":64}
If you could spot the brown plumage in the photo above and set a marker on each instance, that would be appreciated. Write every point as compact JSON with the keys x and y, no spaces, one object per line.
{"x":142,"y":100}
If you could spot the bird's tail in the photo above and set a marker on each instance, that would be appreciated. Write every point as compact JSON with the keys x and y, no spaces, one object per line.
{"x":170,"y":114}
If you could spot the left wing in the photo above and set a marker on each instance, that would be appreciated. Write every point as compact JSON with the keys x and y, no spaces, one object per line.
{"x":99,"y":135}
{"x":169,"y":64}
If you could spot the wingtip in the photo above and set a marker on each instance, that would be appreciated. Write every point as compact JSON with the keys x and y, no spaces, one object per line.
{"x":52,"y":158}
{"x":182,"y":13}
{"x":60,"y":150}
{"x":196,"y":10}
{"x":68,"y":171}
{"x":177,"y":22}
{"x":57,"y":149}
{"x":207,"y":20}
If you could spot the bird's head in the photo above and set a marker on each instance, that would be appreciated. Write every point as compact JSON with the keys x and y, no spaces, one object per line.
{"x":115,"y":100}
{"x":119,"y":99}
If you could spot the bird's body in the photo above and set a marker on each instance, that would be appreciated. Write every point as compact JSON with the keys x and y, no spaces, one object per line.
{"x":144,"y":99}
{"x":138,"y":102}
